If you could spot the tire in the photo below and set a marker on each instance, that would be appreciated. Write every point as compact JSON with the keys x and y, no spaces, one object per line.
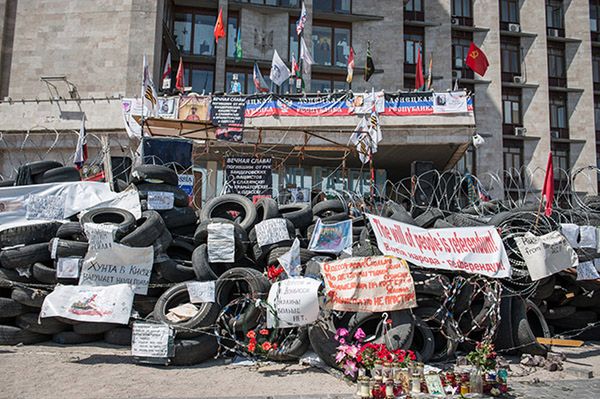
{"x":444,"y":338}
{"x":219,"y":207}
{"x":29,"y":296}
{"x":43,"y":273}
{"x":239,"y":234}
{"x":161,"y":245}
{"x":545,"y":288}
{"x":10,"y":308}
{"x":172,"y":271}
{"x":29,"y":234}
{"x":24,"y":256}
{"x":428,"y":218}
{"x":578,"y":320}
{"x":180,"y":197}
{"x":322,"y":338}
{"x":40,"y":167}
{"x":66,"y":249}
{"x":71,"y":231}
{"x":305,"y":255}
{"x":336,"y":217}
{"x":14,"y":276}
{"x":423,"y":343}
{"x":560,"y":312}
{"x":47,"y":325}
{"x":154,"y":174}
{"x":528,"y":322}
{"x":328,"y":207}
{"x":123,"y":219}
{"x":266,"y":208}
{"x":10,"y":335}
{"x":429,"y":283}
{"x":72,"y":338}
{"x":397,"y":212}
{"x":92,"y":328}
{"x":291,"y":352}
{"x":251,"y":283}
{"x":177,"y":295}
{"x":148,"y":228}
{"x":120,"y":336}
{"x":462,"y":220}
{"x":503,"y":339}
{"x":299,"y":214}
{"x":203,"y":269}
{"x":144,"y":305}
{"x":400,"y":333}
{"x":442,"y":224}
{"x":194,"y":351}
{"x":7,"y":183}
{"x":59,"y":175}
{"x":179,"y":217}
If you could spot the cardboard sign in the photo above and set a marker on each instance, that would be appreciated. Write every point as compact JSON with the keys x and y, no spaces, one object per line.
{"x":118,"y":265}
{"x":249,"y":176}
{"x":587,"y":271}
{"x":547,"y":254}
{"x":369,"y":284}
{"x":45,"y":207}
{"x":97,"y":304}
{"x":476,"y":250}
{"x":68,"y":267}
{"x":151,"y":340}
{"x":201,"y":292}
{"x":331,"y":238}
{"x":160,"y":200}
{"x":290,"y":261}
{"x":271,"y":231}
{"x":220,"y":243}
{"x":100,"y":236}
{"x":293,"y":303}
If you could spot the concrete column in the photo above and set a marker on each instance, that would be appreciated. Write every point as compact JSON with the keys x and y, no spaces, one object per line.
{"x":436,"y":43}
{"x":221,"y":50}
{"x":308,"y":28}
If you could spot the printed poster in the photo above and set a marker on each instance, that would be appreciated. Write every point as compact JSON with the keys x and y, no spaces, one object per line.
{"x":454,"y":102}
{"x":194,"y":108}
{"x":331,"y":238}
{"x":168,"y":107}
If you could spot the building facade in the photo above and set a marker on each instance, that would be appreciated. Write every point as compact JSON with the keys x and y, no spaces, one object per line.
{"x":538,"y":95}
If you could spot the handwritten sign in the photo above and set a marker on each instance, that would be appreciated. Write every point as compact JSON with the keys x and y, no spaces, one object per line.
{"x":96,"y":304}
{"x":293,"y":303}
{"x":118,"y":265}
{"x":271,"y":231}
{"x":100,"y":236}
{"x":45,"y":207}
{"x":220,"y":243}
{"x":160,"y":200}
{"x":201,"y":292}
{"x":331,"y":238}
{"x":470,"y":249}
{"x":68,"y":267}
{"x":547,"y":254}
{"x":151,"y":340}
{"x":369,"y":284}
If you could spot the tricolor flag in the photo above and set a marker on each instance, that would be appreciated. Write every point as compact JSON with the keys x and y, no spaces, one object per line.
{"x":166,"y":75}
{"x":350,"y":66}
{"x":149,"y":98}
{"x":295,"y":66}
{"x":219,"y":30}
{"x":259,"y":81}
{"x":301,"y":21}
{"x":81,"y":153}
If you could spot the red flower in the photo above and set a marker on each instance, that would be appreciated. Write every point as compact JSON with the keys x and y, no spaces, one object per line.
{"x":412,"y":355}
{"x":251,"y":347}
{"x":266,"y":346}
{"x":274,"y":272}
{"x":275,"y":346}
{"x":264,"y":331}
{"x":251,"y":334}
{"x":253,"y":341}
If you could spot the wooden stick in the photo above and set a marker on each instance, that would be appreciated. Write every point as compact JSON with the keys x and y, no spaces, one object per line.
{"x":559,"y":342}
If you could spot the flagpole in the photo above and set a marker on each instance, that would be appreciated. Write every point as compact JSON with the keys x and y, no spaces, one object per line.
{"x":143,"y":90}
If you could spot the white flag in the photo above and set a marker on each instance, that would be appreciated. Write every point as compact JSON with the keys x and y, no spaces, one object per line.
{"x":149,"y":97}
{"x":305,"y":56}
{"x":279,"y":71}
{"x":81,"y":148}
{"x":361,"y":139}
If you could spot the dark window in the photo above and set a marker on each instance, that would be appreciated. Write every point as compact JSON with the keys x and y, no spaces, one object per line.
{"x":413,"y":10}
{"x":461,"y":41}
{"x":511,"y":58}
{"x":595,"y":16}
{"x":413,"y":41}
{"x":462,"y":11}
{"x":331,"y":45}
{"x":561,"y":164}
{"x":511,"y":110}
{"x":558,"y":115}
{"x":202,"y":78}
{"x":554,"y":14}
{"x":232,"y":33}
{"x":596,"y":68}
{"x":509,"y":11}
{"x":557,"y":74}
{"x":513,"y":164}
{"x":327,"y":84}
{"x":245,"y":77}
{"x":193,"y":32}
{"x":340,"y":6}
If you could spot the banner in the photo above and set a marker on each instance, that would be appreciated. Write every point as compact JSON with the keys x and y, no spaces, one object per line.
{"x":547,"y":254}
{"x":476,"y":250}
{"x":293,"y":302}
{"x":454,"y":102}
{"x":110,"y":304}
{"x":363,"y":103}
{"x":310,"y":105}
{"x":193,"y":108}
{"x":249,"y":176}
{"x":227,"y":112}
{"x":368,"y":284}
{"x":168,"y":107}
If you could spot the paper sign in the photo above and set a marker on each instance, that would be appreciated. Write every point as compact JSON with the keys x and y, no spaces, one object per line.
{"x":68,"y":267}
{"x":434,"y":384}
{"x":368,"y":284}
{"x":547,"y":254}
{"x":220,"y":243}
{"x":100,"y":236}
{"x":151,"y":340}
{"x":45,"y":207}
{"x":186,"y":183}
{"x":54,"y":248}
{"x":470,"y":249}
{"x":97,"y":304}
{"x":331,"y":238}
{"x":571,"y":233}
{"x":271,"y":231}
{"x":118,"y":265}
{"x":587,"y":271}
{"x":587,"y":237}
{"x":290,"y":261}
{"x":201,"y":292}
{"x":293,"y":302}
{"x":160,"y":200}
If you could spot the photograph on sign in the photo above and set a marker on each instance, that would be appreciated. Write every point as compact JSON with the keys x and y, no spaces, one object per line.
{"x":293,"y":302}
{"x":201,"y":291}
{"x":271,"y":231}
{"x":168,"y":107}
{"x":193,"y":108}
{"x":151,"y":339}
{"x":68,"y":267}
{"x":220,"y":243}
{"x":331,"y":238}
{"x":547,"y":254}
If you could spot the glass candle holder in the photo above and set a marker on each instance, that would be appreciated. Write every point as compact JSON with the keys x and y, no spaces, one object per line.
{"x":377,"y":369}
{"x":387,"y":372}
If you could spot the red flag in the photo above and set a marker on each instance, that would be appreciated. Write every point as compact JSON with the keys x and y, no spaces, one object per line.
{"x":419,"y":80}
{"x":179,"y":85}
{"x":476,"y":60}
{"x":548,"y":191}
{"x":219,"y":27}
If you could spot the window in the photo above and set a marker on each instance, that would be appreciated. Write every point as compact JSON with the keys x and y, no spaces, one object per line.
{"x":202,"y":78}
{"x":331,"y":45}
{"x":557,"y":75}
{"x":558,"y":114}
{"x":294,"y":43}
{"x":282,"y":3}
{"x":554,"y":14}
{"x":511,"y":110}
{"x":560,"y":163}
{"x":509,"y":11}
{"x":462,"y":12}
{"x":413,"y":41}
{"x":340,"y":6}
{"x":326,"y":84}
{"x":232,"y":33}
{"x":596,"y":69}
{"x":194,"y":32}
{"x":595,"y":16}
{"x":413,"y":10}
{"x":245,"y":79}
{"x":513,"y":163}
{"x":511,"y":58}
{"x":461,"y":41}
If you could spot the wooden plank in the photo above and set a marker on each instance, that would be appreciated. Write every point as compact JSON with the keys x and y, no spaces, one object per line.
{"x":559,"y":342}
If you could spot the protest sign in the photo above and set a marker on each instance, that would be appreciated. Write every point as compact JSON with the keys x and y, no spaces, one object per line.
{"x":587,"y":271}
{"x":68,"y":267}
{"x":290,"y":261}
{"x":271,"y":231}
{"x":119,"y":264}
{"x":220,"y":243}
{"x":100,"y":236}
{"x":368,"y":284}
{"x":160,"y":200}
{"x":201,"y":291}
{"x":249,"y":176}
{"x":469,"y":249}
{"x":331,"y":238}
{"x":152,"y":340}
{"x":110,"y":304}
{"x":293,"y":302}
{"x":547,"y":254}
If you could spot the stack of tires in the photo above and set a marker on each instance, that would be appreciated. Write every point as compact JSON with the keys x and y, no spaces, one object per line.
{"x":41,"y":172}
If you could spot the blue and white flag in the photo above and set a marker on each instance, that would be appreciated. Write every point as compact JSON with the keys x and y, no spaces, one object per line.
{"x":301,"y":21}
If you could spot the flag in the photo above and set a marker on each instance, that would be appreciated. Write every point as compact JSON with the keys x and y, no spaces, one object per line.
{"x":548,"y":191}
{"x":219,"y":27}
{"x":305,"y":56}
{"x":238,"y":45}
{"x":455,"y":85}
{"x":301,"y":21}
{"x":149,"y":100}
{"x":360,"y":138}
{"x":81,"y":153}
{"x":166,"y":75}
{"x":279,"y":71}
{"x":369,"y":66}
{"x":259,"y":81}
{"x":419,"y":80}
{"x":429,"y":72}
{"x":350,"y":66}
{"x":295,"y":66}
{"x":476,"y":60}
{"x":375,"y":128}
{"x":179,"y":85}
